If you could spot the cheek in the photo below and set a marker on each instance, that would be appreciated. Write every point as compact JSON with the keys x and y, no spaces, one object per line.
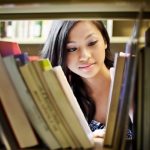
{"x":100,"y":53}
{"x":70,"y":61}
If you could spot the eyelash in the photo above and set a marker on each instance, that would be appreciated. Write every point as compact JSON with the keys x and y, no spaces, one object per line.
{"x":89,"y":44}
{"x":71,"y":49}
{"x":92,"y":43}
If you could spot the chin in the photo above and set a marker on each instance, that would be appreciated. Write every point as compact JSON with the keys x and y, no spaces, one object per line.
{"x":88,"y":76}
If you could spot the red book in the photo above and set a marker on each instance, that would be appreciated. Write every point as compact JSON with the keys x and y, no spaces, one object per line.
{"x":9,"y":48}
{"x":12,"y":48}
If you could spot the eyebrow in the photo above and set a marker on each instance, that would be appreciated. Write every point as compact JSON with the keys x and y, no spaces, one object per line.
{"x":89,"y":35}
{"x":85,"y":38}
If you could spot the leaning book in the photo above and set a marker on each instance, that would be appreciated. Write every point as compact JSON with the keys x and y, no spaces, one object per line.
{"x":14,"y":111}
{"x":69,"y":107}
{"x":115,"y":90}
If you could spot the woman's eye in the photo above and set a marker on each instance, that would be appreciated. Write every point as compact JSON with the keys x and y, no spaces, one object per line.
{"x":92,"y":43}
{"x":71,"y":49}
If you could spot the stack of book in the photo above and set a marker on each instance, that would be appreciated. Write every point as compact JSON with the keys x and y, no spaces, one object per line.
{"x":38,"y":106}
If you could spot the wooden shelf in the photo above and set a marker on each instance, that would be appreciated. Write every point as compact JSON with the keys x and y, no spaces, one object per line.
{"x":42,"y":40}
{"x":25,"y":41}
{"x":66,"y":1}
{"x":90,"y":9}
{"x":121,"y":39}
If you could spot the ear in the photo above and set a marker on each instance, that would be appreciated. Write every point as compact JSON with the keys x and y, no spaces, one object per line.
{"x":105,"y":45}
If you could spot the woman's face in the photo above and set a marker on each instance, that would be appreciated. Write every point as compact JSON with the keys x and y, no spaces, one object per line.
{"x":86,"y":50}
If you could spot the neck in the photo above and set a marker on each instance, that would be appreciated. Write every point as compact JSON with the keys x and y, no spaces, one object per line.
{"x":98,"y":88}
{"x":100,"y":82}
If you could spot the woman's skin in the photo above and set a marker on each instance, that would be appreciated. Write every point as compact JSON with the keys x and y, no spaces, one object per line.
{"x":86,"y":54}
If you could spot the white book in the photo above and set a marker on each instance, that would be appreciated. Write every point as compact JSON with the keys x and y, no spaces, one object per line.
{"x":69,"y":106}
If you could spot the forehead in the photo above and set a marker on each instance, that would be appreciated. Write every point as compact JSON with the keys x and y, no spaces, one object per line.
{"x":83,"y":27}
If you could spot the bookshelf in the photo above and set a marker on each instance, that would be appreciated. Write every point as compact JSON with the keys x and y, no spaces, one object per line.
{"x":56,"y":9}
{"x":36,"y":31}
{"x":71,"y":9}
{"x":31,"y":34}
{"x":25,"y":31}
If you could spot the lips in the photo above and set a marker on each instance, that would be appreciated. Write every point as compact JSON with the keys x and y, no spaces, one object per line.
{"x":86,"y":66}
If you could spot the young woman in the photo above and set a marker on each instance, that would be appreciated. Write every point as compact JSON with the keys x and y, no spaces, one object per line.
{"x":82,"y":48}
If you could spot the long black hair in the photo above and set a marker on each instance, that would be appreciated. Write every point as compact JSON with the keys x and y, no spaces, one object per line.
{"x":55,"y":50}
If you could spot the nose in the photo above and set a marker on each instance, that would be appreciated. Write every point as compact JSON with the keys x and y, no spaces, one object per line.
{"x":85,"y":54}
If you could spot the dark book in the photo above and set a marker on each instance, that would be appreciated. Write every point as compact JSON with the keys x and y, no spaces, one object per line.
{"x":146,"y":94}
{"x":142,"y":126}
{"x":128,"y":88}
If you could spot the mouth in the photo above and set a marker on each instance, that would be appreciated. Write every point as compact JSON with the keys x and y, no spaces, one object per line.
{"x":86,"y":66}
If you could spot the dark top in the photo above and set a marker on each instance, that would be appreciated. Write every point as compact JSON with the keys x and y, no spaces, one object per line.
{"x":94,"y":125}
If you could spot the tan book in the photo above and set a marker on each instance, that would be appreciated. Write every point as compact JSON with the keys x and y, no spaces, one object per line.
{"x":45,"y":65}
{"x":42,"y":101}
{"x":68,"y":105}
{"x":115,"y":90}
{"x":14,"y":110}
{"x":27,"y":101}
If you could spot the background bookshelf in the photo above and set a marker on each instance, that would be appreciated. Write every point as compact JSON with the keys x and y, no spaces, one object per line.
{"x":120,"y":15}
{"x":31,"y":34}
{"x":25,"y":31}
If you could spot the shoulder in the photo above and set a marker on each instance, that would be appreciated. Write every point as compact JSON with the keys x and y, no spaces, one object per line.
{"x":112,"y":72}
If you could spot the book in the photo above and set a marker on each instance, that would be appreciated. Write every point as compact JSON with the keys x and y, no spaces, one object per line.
{"x":128,"y":86}
{"x":9,"y":48}
{"x":56,"y":126}
{"x":115,"y":90}
{"x":142,"y":126}
{"x":146,"y":93}
{"x":52,"y":120}
{"x":40,"y":66}
{"x":139,"y":103}
{"x":14,"y":111}
{"x":6,"y":133}
{"x":125,"y":102}
{"x":21,"y":59}
{"x":27,"y":101}
{"x":42,"y":101}
{"x":68,"y":105}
